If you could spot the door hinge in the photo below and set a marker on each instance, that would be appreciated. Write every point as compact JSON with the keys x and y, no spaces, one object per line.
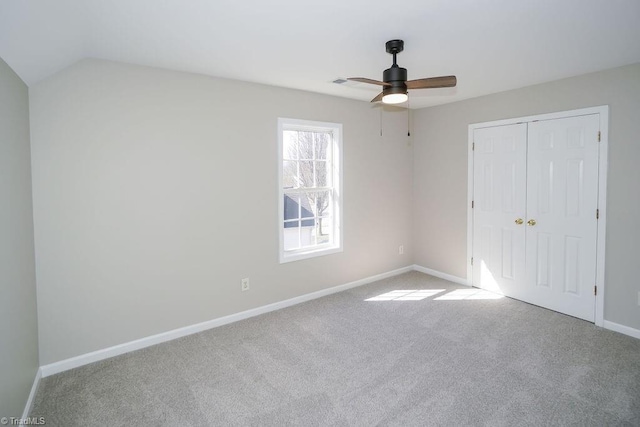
{"x":599,"y":135}
{"x":471,"y":260}
{"x":472,"y":204}
{"x":597,"y":213}
{"x":595,"y":290}
{"x":473,"y":146}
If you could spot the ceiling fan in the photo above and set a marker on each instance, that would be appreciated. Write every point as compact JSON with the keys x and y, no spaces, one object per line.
{"x":394,"y":80}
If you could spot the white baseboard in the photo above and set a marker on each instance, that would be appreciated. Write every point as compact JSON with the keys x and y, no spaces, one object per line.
{"x":32,"y":394}
{"x":606,"y":324}
{"x":95,"y":356}
{"x":84,"y":359}
{"x":622,"y":329}
{"x":445,"y":276}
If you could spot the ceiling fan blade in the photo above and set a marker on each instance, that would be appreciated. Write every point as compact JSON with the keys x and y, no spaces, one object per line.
{"x":378,"y":98}
{"x":370,"y":81}
{"x":432,"y":82}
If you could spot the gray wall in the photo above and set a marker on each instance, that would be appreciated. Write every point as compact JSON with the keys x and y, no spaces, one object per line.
{"x":18,"y":314}
{"x":440,"y":174}
{"x":155,"y":192}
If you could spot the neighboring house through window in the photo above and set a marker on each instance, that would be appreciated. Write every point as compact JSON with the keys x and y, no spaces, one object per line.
{"x":310,"y":188}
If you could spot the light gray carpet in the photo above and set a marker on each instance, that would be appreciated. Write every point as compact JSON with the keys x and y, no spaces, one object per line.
{"x":342,"y":361}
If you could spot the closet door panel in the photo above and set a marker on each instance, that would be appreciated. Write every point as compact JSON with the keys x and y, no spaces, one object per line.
{"x":499,"y":199}
{"x":562,"y":183}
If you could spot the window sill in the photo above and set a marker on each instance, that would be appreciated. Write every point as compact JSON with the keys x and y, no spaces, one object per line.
{"x":311,"y":253}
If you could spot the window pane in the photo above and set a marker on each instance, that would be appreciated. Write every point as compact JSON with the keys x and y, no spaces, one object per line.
{"x":321,"y":173}
{"x":306,"y":174}
{"x":307,"y":233}
{"x":324,"y":231}
{"x":323,"y":204}
{"x":290,"y":144}
{"x":291,"y":235}
{"x":291,"y":208}
{"x":306,"y":145}
{"x":290,"y":174}
{"x":321,"y":145}
{"x":307,"y":208}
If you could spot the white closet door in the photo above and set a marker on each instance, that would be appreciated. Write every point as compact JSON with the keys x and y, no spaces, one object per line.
{"x":499,"y":199}
{"x":562,"y":198}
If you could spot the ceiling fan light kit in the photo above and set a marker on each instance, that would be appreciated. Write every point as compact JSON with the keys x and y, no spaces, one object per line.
{"x":394,"y":80}
{"x":395,"y":98}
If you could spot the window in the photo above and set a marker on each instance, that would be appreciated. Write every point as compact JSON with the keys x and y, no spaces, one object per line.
{"x":310,"y":170}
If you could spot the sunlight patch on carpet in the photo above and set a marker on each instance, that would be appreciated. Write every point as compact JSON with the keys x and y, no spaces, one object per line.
{"x":468,"y":294}
{"x":407,"y":295}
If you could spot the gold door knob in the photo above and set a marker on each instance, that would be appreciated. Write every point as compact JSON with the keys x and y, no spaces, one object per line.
{"x":519,"y":221}
{"x":531,"y":222}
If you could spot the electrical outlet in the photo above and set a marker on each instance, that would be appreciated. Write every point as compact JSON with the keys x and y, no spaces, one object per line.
{"x":245,"y":284}
{"x":401,"y":250}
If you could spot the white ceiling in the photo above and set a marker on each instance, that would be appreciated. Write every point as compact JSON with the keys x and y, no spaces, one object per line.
{"x":491,"y":45}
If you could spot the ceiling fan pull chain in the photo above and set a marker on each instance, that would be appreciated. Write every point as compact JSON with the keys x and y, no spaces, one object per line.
{"x":380,"y":121}
{"x":408,"y":118}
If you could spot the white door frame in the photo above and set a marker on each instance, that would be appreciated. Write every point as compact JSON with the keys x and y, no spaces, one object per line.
{"x":603,"y":111}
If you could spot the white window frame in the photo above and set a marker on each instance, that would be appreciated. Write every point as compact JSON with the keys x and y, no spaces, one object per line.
{"x":336,"y":173}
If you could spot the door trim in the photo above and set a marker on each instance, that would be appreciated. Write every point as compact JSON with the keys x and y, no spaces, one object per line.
{"x":603,"y":112}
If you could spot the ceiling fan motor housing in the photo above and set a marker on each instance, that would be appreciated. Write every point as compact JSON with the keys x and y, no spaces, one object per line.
{"x":396,"y":76}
